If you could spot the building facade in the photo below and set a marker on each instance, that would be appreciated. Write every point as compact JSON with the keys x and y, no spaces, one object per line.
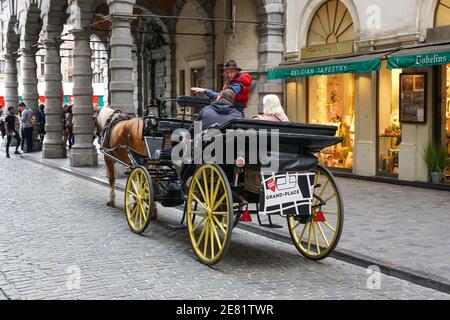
{"x":376,"y":69}
{"x":153,"y":48}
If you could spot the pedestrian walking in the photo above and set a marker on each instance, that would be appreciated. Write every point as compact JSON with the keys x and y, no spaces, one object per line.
{"x":2,"y":121}
{"x":41,"y":122}
{"x":69,"y":126}
{"x":11,"y":132}
{"x":28,"y":121}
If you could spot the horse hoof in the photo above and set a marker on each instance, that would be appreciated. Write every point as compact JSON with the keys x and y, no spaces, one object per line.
{"x":110,"y":204}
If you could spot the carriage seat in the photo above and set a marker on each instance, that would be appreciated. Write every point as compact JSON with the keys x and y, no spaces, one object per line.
{"x":173,"y":124}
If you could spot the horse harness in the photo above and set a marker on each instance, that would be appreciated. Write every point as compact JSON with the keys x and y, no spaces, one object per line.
{"x":105,"y":135}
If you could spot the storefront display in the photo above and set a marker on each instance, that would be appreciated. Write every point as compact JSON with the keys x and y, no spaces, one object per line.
{"x":389,"y":129}
{"x":331,"y":102}
{"x":447,"y":119}
{"x":413,"y":98}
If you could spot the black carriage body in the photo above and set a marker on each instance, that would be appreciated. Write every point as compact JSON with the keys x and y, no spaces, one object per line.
{"x":173,"y":183}
{"x":296,"y":145}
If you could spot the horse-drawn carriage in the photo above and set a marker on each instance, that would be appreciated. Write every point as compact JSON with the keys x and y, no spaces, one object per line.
{"x":217,"y":192}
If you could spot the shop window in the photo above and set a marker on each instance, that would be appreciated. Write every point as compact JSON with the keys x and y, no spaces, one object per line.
{"x":331,"y":102}
{"x":389,"y":128}
{"x":447,"y":120}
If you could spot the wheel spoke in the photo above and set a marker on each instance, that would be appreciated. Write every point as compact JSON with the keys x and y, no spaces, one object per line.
{"x":212,"y":186}
{"x":323,"y":189}
{"x":134,"y":210}
{"x":133,"y":194}
{"x":216,"y":234}
{"x":330,"y":197}
{"x":140,"y":217}
{"x":205,"y":183}
{"x":296,"y":226}
{"x":219,"y":202}
{"x":323,"y":234}
{"x":303,"y":232}
{"x":131,"y":203}
{"x":198,"y":201}
{"x":199,"y":213}
{"x":220,"y":225}
{"x":309,"y":237}
{"x":136,"y":216}
{"x":199,"y":223}
{"x":202,"y":192}
{"x":220,"y":213}
{"x":329,"y":226}
{"x":205,"y":246}
{"x":316,"y":238}
{"x":216,"y":190}
{"x":212,"y":239}
{"x":144,"y":214}
{"x":200,"y":238}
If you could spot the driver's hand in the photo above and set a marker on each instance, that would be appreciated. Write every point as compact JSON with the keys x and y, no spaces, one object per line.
{"x":198,"y":90}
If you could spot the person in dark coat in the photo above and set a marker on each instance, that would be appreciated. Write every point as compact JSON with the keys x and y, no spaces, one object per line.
{"x":41,"y":120}
{"x":10,"y":128}
{"x":219,"y":111}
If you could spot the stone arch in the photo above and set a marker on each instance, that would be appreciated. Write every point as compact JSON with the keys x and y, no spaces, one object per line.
{"x":163,"y":85}
{"x":425,"y":15}
{"x":309,"y":12}
{"x":205,"y":9}
{"x":442,"y":13}
{"x":30,"y":26}
{"x":54,"y":16}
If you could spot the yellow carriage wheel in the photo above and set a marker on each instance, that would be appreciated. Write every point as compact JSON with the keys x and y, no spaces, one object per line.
{"x":317,"y":237}
{"x":210,"y":202}
{"x":139,"y":202}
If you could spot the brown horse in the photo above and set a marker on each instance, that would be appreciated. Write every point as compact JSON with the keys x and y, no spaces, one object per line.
{"x":125,"y":133}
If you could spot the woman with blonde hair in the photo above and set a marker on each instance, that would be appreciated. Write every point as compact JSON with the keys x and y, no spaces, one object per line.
{"x":272,"y":110}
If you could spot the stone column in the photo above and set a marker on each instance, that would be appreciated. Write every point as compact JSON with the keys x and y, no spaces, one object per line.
{"x":83,"y":152}
{"x":29,"y":78}
{"x":53,"y":143}
{"x":30,"y":87}
{"x":122,"y":85}
{"x":139,"y":81}
{"x":11,"y":84}
{"x":270,"y":46}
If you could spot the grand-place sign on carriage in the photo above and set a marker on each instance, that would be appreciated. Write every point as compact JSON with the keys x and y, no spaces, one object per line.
{"x":216,"y":193}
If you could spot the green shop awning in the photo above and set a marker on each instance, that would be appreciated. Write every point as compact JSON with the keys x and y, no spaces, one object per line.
{"x":420,"y":57}
{"x":365,"y":63}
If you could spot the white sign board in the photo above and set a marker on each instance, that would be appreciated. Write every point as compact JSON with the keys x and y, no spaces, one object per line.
{"x":287,"y":193}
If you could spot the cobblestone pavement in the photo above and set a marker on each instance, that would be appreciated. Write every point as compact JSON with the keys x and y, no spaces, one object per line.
{"x":401,"y":226}
{"x":59,"y":241}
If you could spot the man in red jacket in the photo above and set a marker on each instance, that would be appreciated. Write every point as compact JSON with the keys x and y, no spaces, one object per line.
{"x":238,"y":81}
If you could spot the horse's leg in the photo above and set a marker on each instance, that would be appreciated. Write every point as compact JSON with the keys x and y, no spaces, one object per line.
{"x":112,"y":179}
